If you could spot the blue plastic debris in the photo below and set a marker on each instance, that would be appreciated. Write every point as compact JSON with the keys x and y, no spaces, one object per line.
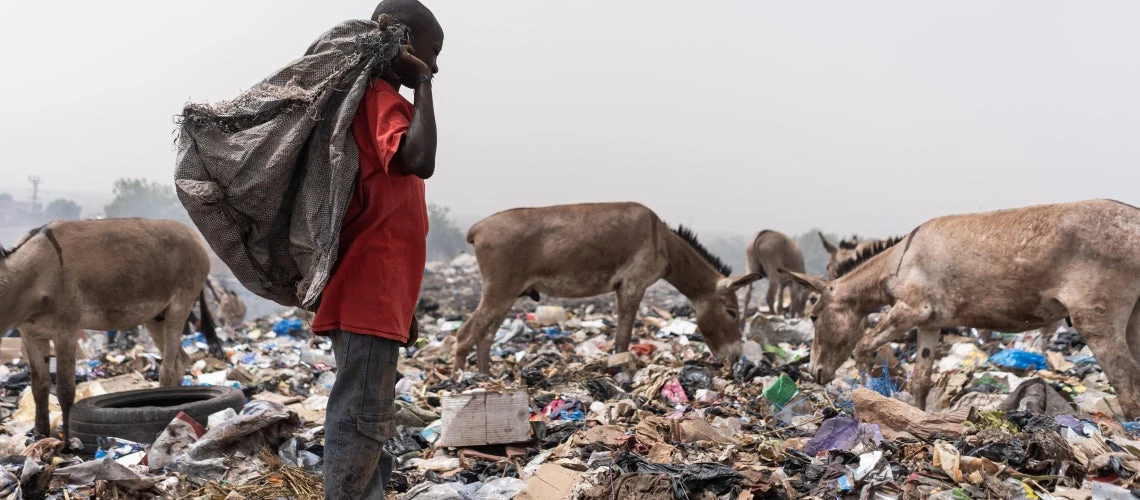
{"x":287,"y":326}
{"x":554,"y":332}
{"x":845,"y":483}
{"x":1019,"y":359}
{"x":1133,"y":427}
{"x":884,"y":385}
{"x":576,"y":415}
{"x":197,"y":338}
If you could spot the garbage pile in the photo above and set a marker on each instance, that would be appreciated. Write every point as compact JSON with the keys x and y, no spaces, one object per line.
{"x":1012,"y":416}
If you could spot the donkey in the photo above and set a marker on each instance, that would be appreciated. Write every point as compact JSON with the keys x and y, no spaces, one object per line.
{"x":110,"y":274}
{"x":770,"y":251}
{"x":578,"y":251}
{"x":231,"y":309}
{"x":1009,"y":270}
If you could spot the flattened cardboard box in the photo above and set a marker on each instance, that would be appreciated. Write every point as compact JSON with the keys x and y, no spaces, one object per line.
{"x":552,"y":481}
{"x":13,"y":347}
{"x":483,"y":418}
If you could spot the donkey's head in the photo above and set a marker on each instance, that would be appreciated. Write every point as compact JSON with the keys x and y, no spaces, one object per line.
{"x":718,"y":316}
{"x":846,"y":250}
{"x":838,"y":325}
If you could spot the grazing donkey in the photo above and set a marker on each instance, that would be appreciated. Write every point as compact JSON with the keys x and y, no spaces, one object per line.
{"x":110,"y":274}
{"x":770,"y":251}
{"x":231,"y":309}
{"x":1010,"y":270}
{"x":586,"y":250}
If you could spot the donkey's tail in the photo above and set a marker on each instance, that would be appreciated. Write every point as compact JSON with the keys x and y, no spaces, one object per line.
{"x":209,"y":328}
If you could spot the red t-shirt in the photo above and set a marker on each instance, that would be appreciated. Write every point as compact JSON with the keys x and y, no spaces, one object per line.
{"x":383,"y":243}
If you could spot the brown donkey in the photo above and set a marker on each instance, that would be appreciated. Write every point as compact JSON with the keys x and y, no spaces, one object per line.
{"x":577,"y":251}
{"x":1010,"y":270}
{"x":770,"y":251}
{"x":101,"y":275}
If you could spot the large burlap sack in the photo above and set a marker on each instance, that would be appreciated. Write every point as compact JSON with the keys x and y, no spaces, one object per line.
{"x":267,"y":176}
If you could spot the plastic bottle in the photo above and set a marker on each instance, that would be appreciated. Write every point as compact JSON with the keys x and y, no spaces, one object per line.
{"x":550,"y":315}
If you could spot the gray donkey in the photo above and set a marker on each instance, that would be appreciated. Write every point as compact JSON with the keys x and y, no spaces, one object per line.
{"x":1010,"y":270}
{"x":770,"y":251}
{"x":110,"y":274}
{"x":586,"y":250}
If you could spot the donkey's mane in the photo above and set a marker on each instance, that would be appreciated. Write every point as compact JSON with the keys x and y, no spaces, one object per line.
{"x":872,"y":249}
{"x":691,"y":238}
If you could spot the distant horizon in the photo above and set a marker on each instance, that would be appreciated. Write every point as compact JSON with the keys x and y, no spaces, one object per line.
{"x":462,"y":220}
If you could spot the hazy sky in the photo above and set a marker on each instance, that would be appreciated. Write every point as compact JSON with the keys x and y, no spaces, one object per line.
{"x":854,"y":116}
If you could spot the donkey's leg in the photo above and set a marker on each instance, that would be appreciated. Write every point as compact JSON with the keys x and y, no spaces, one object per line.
{"x":744,"y":311}
{"x":37,"y":349}
{"x":628,"y":301}
{"x":167,"y":335}
{"x":495,"y":318}
{"x":492,"y":309}
{"x":898,"y":322}
{"x":1105,"y":331}
{"x":920,"y":382}
{"x":65,"y":348}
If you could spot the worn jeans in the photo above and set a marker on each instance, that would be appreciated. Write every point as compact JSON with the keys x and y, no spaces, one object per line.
{"x":359,"y":417}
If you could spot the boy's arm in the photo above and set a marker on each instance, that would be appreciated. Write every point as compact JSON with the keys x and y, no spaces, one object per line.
{"x":417,"y":147}
{"x":413,"y":332}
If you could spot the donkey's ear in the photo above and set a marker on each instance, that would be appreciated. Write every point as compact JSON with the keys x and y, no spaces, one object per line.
{"x":827,"y":244}
{"x":735,"y":282}
{"x":809,"y":281}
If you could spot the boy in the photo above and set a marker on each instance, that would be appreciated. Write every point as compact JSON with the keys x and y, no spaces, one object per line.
{"x":368,"y":305}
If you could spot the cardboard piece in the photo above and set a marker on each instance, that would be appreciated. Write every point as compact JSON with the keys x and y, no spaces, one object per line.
{"x":126,"y":382}
{"x":482,"y":418}
{"x":13,"y":347}
{"x":551,"y":482}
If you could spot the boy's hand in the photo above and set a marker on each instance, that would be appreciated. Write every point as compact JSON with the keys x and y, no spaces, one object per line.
{"x":410,"y":68}
{"x":413,"y":332}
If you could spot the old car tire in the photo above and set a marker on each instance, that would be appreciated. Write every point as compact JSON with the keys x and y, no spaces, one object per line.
{"x":140,"y":416}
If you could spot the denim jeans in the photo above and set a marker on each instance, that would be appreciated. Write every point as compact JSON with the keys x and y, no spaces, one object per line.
{"x":358,"y":419}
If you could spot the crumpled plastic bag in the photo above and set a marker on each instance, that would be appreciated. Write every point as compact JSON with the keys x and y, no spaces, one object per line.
{"x":293,"y":452}
{"x":688,"y":479}
{"x":503,"y":488}
{"x":842,"y":433}
{"x":260,"y":424}
{"x":106,"y":470}
{"x":182,"y":432}
{"x":1037,"y":397}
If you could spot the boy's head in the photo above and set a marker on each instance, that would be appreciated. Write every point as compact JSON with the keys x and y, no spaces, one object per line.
{"x":427,"y":35}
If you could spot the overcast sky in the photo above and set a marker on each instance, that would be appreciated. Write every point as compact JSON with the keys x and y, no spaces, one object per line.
{"x":865,"y":117}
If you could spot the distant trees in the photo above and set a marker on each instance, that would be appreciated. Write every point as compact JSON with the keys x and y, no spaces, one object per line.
{"x":445,"y":239}
{"x":62,"y":209}
{"x":143,"y":198}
